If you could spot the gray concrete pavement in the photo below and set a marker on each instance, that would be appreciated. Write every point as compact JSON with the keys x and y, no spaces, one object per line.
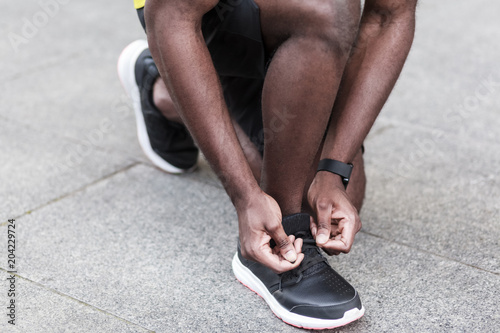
{"x":108,"y":243}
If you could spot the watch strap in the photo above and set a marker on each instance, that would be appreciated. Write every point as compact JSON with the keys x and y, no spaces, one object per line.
{"x":342,"y":169}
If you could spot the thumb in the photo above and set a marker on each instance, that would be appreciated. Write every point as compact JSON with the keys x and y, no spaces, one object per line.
{"x":283,"y":242}
{"x":323,"y":213}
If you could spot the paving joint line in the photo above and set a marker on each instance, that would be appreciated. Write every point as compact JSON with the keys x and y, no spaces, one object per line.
{"x":429,"y":252}
{"x":77,"y":300}
{"x":68,"y":138}
{"x":66,"y":195}
{"x":428,"y":129}
{"x":151,"y":166}
{"x":365,"y":232}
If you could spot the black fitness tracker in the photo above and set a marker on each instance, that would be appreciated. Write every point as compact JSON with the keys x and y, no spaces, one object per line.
{"x":342,"y":169}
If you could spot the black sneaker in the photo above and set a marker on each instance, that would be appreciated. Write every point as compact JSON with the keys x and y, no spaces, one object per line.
{"x":311,"y":296}
{"x":166,"y":143}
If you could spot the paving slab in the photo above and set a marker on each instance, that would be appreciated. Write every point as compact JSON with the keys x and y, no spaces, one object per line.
{"x":432,"y":155}
{"x":451,"y":80}
{"x":156,"y":249}
{"x":38,"y":309}
{"x":70,"y":88}
{"x":92,"y":110}
{"x":65,"y":119}
{"x":73,"y":29}
{"x":38,"y":167}
{"x":423,"y":190}
{"x":159,"y":244}
{"x":407,"y":290}
{"x":114,"y":245}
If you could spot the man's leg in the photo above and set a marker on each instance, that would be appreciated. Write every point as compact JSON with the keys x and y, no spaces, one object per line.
{"x":163,"y":101}
{"x":312,"y":41}
{"x":357,"y":183}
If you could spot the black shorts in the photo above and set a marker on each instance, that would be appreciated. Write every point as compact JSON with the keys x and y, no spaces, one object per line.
{"x":233,"y":36}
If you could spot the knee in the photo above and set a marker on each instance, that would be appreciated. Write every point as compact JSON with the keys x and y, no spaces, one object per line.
{"x":333,"y":22}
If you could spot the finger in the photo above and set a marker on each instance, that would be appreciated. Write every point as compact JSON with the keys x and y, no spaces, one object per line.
{"x":298,"y":245}
{"x":323,"y":213}
{"x":341,"y":243}
{"x":283,"y":243}
{"x":313,"y":227}
{"x":277,"y":263}
{"x":335,"y":245}
{"x":346,"y":235}
{"x":276,"y":249}
{"x":346,"y":229}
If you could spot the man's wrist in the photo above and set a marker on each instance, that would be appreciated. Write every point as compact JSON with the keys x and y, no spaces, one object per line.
{"x":341,"y":169}
{"x":332,"y":179}
{"x":243,"y":197}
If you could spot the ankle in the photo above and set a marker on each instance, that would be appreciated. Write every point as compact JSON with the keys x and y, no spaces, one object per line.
{"x":163,"y":101}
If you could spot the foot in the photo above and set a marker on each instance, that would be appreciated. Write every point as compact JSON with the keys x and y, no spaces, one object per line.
{"x":166,"y":143}
{"x":312,"y":296}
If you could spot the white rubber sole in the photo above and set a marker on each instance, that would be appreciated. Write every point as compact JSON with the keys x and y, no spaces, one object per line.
{"x":248,"y":279}
{"x":126,"y":72}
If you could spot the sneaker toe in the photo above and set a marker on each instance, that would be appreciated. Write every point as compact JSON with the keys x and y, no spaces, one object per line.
{"x":326,"y":295}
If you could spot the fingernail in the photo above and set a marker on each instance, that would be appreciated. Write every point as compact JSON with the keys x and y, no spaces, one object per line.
{"x":322,"y":239}
{"x":291,"y":256}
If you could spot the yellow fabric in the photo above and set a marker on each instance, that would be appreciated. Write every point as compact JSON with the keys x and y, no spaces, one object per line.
{"x":139,"y":3}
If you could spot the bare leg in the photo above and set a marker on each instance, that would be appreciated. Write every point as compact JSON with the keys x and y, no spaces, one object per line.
{"x":314,"y":39}
{"x":357,"y":183}
{"x":163,"y":101}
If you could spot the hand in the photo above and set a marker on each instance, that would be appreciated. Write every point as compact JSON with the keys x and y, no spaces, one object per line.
{"x":259,"y":222}
{"x":337,"y":220}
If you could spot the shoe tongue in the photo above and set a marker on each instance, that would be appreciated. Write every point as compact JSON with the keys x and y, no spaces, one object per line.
{"x":292,"y":224}
{"x":300,"y":222}
{"x":295,"y":223}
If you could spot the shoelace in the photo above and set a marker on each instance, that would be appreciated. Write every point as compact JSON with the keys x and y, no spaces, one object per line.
{"x":312,"y":258}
